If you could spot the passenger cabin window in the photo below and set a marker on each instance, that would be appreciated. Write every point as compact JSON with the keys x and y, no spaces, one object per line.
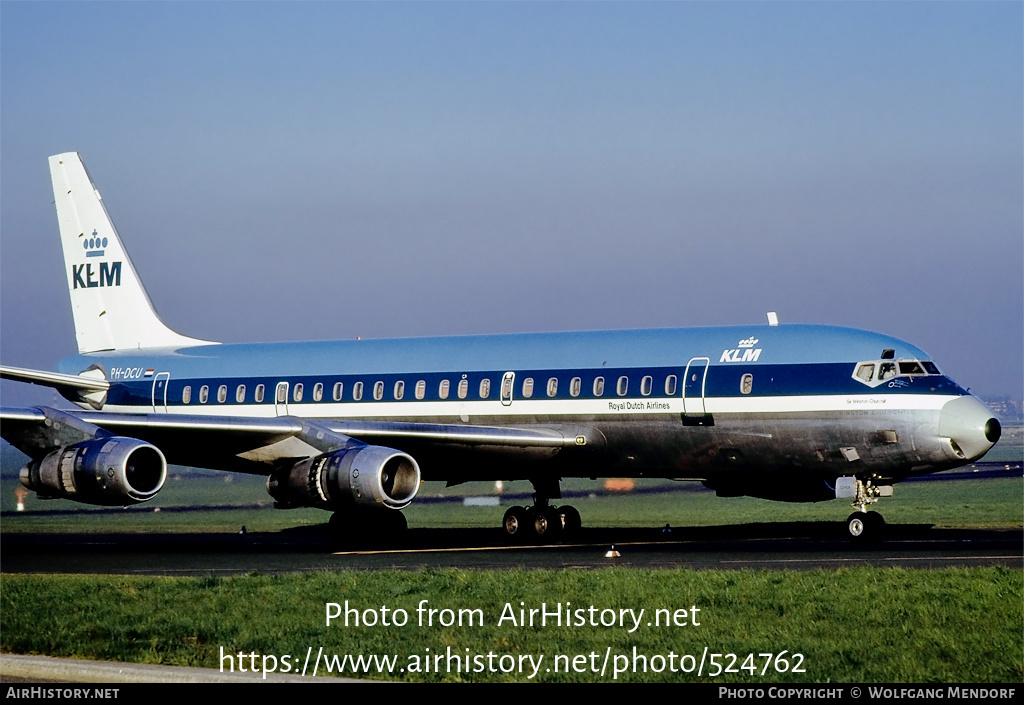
{"x":297,"y":392}
{"x":282,"y":393}
{"x":318,"y":391}
{"x":646,"y":385}
{"x":599,"y":386}
{"x":485,"y":388}
{"x":186,"y":394}
{"x":240,"y":393}
{"x":339,"y":389}
{"x":259,"y":393}
{"x":746,"y":383}
{"x":357,"y":391}
{"x":622,"y":386}
{"x":506,"y":387}
{"x":399,"y":389}
{"x":670,"y":386}
{"x":442,"y":390}
{"x":222,"y":393}
{"x":204,"y":394}
{"x":528,"y":387}
{"x":463,"y":388}
{"x":421,"y":389}
{"x":378,"y":390}
{"x":552,"y":386}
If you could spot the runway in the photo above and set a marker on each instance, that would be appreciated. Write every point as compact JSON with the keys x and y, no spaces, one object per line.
{"x":774,"y":546}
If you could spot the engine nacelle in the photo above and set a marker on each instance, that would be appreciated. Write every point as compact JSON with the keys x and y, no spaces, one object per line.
{"x":365,"y":475}
{"x":105,"y":471}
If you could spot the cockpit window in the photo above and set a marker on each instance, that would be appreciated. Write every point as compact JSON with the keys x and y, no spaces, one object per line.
{"x":866,"y":371}
{"x":875,"y":372}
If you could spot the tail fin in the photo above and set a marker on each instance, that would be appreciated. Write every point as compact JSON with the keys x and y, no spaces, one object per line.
{"x":111,"y":308}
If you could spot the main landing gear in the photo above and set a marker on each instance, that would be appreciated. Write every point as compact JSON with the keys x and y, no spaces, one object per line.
{"x":362,"y":527}
{"x":537,"y":523}
{"x":862,"y":525}
{"x":541,"y":522}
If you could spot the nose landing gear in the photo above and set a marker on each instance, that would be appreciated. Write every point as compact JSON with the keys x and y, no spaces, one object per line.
{"x":865,"y":526}
{"x":862,"y":525}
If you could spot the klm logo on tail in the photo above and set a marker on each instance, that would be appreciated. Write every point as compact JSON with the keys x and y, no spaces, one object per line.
{"x":85,"y":277}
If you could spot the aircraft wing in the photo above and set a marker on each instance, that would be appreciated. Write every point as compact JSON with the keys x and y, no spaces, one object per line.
{"x":257,"y":445}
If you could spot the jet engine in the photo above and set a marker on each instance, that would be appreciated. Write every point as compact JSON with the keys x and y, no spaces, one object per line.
{"x":111,"y":471}
{"x":362,"y":475}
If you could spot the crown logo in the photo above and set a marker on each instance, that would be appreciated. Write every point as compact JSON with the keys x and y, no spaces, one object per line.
{"x":748,"y":343}
{"x":94,"y":245}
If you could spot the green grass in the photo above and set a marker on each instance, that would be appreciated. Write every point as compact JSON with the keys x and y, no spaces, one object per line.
{"x":850,"y":625}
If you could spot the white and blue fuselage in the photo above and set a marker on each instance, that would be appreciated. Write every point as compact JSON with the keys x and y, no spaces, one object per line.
{"x":793,"y":412}
{"x":724,"y":405}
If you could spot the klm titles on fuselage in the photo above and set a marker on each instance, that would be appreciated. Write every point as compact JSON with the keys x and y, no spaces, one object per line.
{"x":744,"y":352}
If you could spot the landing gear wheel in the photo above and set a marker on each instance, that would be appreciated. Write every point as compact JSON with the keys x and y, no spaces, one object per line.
{"x":547,"y":523}
{"x":571,"y":521}
{"x":865,"y":526}
{"x":359,"y":527}
{"x":876,"y":525}
{"x":857,"y":525}
{"x":340,"y":530}
{"x":514,"y":523}
{"x":392,"y":524}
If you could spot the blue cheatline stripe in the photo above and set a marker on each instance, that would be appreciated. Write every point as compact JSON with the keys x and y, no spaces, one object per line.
{"x":722,"y":381}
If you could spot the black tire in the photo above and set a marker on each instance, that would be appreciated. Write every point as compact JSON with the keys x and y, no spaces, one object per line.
{"x":392,"y":524}
{"x":341,"y":530}
{"x":547,"y":524}
{"x":865,"y":527}
{"x":515,"y":523}
{"x":571,"y":521}
{"x":359,"y":527}
{"x":877,"y":526}
{"x":858,"y":526}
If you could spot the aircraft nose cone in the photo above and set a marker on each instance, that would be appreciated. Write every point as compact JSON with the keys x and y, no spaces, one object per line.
{"x":970,"y":427}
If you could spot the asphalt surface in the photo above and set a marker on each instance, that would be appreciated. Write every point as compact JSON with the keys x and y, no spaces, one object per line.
{"x":776,"y":546}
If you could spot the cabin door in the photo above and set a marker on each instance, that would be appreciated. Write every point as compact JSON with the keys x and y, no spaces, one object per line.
{"x":160,"y":383}
{"x":507,"y":383}
{"x":281,"y":399}
{"x":693,"y":387}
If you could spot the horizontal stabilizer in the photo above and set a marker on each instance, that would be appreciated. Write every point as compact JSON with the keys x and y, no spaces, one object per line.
{"x":54,"y":379}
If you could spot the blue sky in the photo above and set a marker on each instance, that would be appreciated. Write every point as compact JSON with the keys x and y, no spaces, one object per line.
{"x":289,"y":171}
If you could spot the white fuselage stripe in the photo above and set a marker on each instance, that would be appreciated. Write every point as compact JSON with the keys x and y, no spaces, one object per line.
{"x":559,"y":407}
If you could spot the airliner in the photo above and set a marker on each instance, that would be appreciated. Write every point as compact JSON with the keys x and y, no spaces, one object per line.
{"x":793,"y":413}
